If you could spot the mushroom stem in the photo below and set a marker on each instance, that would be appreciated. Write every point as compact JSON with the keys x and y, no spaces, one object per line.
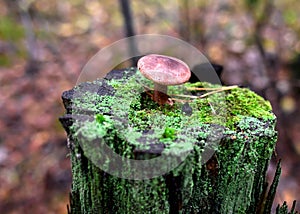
{"x":160,"y":93}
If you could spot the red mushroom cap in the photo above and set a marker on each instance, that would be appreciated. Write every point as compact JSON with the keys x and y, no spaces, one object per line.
{"x":164,"y":70}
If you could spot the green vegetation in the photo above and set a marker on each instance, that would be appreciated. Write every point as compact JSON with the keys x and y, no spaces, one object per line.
{"x":132,"y":104}
{"x":169,"y":134}
{"x":11,"y":30}
{"x":100,"y":118}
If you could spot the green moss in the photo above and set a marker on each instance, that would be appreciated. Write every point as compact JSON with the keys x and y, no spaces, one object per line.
{"x":169,"y":134}
{"x":243,"y":102}
{"x":232,"y":105}
{"x":100,"y":118}
{"x":129,"y":112}
{"x":92,"y":102}
{"x":223,"y":108}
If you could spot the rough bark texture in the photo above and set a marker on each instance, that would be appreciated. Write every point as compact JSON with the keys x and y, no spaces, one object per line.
{"x":231,"y":181}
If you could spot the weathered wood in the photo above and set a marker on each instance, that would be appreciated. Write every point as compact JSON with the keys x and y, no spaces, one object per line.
{"x":233,"y":180}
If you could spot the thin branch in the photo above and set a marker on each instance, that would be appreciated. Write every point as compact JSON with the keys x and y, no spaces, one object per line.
{"x":211,"y":89}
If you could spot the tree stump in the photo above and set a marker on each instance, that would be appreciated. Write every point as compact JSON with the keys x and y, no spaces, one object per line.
{"x":221,"y":143}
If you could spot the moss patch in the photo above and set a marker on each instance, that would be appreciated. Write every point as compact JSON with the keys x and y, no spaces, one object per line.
{"x":127,"y":100}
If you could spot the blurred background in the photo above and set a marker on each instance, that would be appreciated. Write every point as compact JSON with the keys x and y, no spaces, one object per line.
{"x":44,"y":45}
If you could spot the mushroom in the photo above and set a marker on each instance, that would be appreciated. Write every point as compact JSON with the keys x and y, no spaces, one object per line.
{"x":163,"y":71}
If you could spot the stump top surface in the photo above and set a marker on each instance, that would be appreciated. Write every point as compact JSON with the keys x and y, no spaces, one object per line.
{"x":123,"y":103}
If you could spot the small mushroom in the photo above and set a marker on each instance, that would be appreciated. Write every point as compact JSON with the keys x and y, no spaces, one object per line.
{"x":163,"y":71}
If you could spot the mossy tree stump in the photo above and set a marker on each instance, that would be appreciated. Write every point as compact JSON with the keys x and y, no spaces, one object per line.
{"x":232,"y":180}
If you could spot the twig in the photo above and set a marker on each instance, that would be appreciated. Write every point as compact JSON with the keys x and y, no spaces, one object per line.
{"x":184,"y":95}
{"x":180,"y":100}
{"x":211,"y":89}
{"x":215,"y":90}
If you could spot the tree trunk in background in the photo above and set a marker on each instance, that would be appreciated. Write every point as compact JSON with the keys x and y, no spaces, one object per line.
{"x":129,"y":29}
